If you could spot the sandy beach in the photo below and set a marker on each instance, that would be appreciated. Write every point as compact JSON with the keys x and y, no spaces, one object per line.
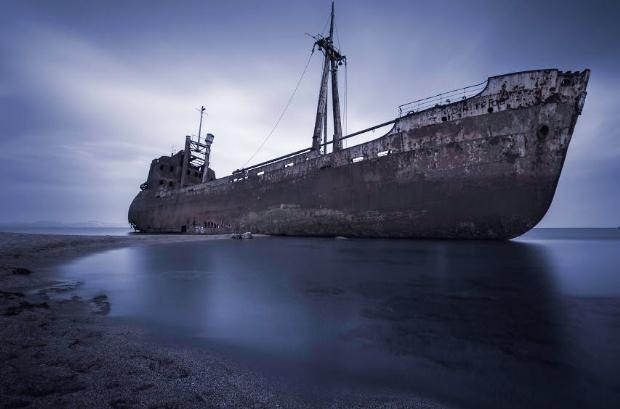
{"x":67,"y":353}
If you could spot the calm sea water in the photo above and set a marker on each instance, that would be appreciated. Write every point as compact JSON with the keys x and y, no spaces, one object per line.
{"x":533,"y":322}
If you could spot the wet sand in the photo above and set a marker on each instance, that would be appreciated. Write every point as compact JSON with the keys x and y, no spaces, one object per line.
{"x":68,"y":353}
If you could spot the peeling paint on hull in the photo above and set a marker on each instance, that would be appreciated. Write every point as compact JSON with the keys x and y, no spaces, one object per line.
{"x":483,"y":168}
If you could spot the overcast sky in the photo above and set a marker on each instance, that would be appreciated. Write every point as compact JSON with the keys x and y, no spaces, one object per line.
{"x":92,"y":91}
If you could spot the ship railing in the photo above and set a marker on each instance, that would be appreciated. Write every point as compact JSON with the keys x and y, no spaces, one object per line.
{"x":444,"y":98}
{"x":244,"y":171}
{"x":294,"y":158}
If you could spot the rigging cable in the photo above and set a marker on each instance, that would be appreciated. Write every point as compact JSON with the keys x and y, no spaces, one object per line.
{"x":324,"y":30}
{"x":346,"y":96}
{"x":283,"y":111}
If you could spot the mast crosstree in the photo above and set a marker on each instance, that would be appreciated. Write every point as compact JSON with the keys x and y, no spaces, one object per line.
{"x":196,"y":153}
{"x":333,"y":59}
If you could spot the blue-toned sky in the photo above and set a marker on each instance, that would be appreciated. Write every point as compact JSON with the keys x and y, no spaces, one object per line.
{"x":91,"y":91}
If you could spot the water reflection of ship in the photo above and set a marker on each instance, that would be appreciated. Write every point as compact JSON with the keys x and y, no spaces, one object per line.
{"x":476,"y":323}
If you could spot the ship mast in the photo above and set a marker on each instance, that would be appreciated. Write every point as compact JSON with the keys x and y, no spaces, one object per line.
{"x":333,"y":59}
{"x":202,"y":110}
{"x":196,"y":154}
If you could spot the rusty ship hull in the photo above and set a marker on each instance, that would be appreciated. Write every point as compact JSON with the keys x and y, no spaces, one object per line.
{"x":484,"y":167}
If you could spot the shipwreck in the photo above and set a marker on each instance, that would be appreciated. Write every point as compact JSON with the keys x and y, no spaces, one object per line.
{"x":481,"y":162}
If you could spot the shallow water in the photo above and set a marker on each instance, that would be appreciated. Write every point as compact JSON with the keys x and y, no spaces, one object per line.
{"x":534,"y":322}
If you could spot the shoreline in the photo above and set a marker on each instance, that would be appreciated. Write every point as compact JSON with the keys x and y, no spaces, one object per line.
{"x":68,"y":353}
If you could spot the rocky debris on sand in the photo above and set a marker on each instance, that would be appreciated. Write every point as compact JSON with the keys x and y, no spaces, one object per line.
{"x":239,"y":236}
{"x":11,"y":295}
{"x":102,"y":305}
{"x":13,"y":310}
{"x":62,"y":287}
{"x":20,"y":271}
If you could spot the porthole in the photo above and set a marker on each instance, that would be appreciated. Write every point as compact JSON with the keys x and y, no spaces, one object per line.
{"x":543,"y":131}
